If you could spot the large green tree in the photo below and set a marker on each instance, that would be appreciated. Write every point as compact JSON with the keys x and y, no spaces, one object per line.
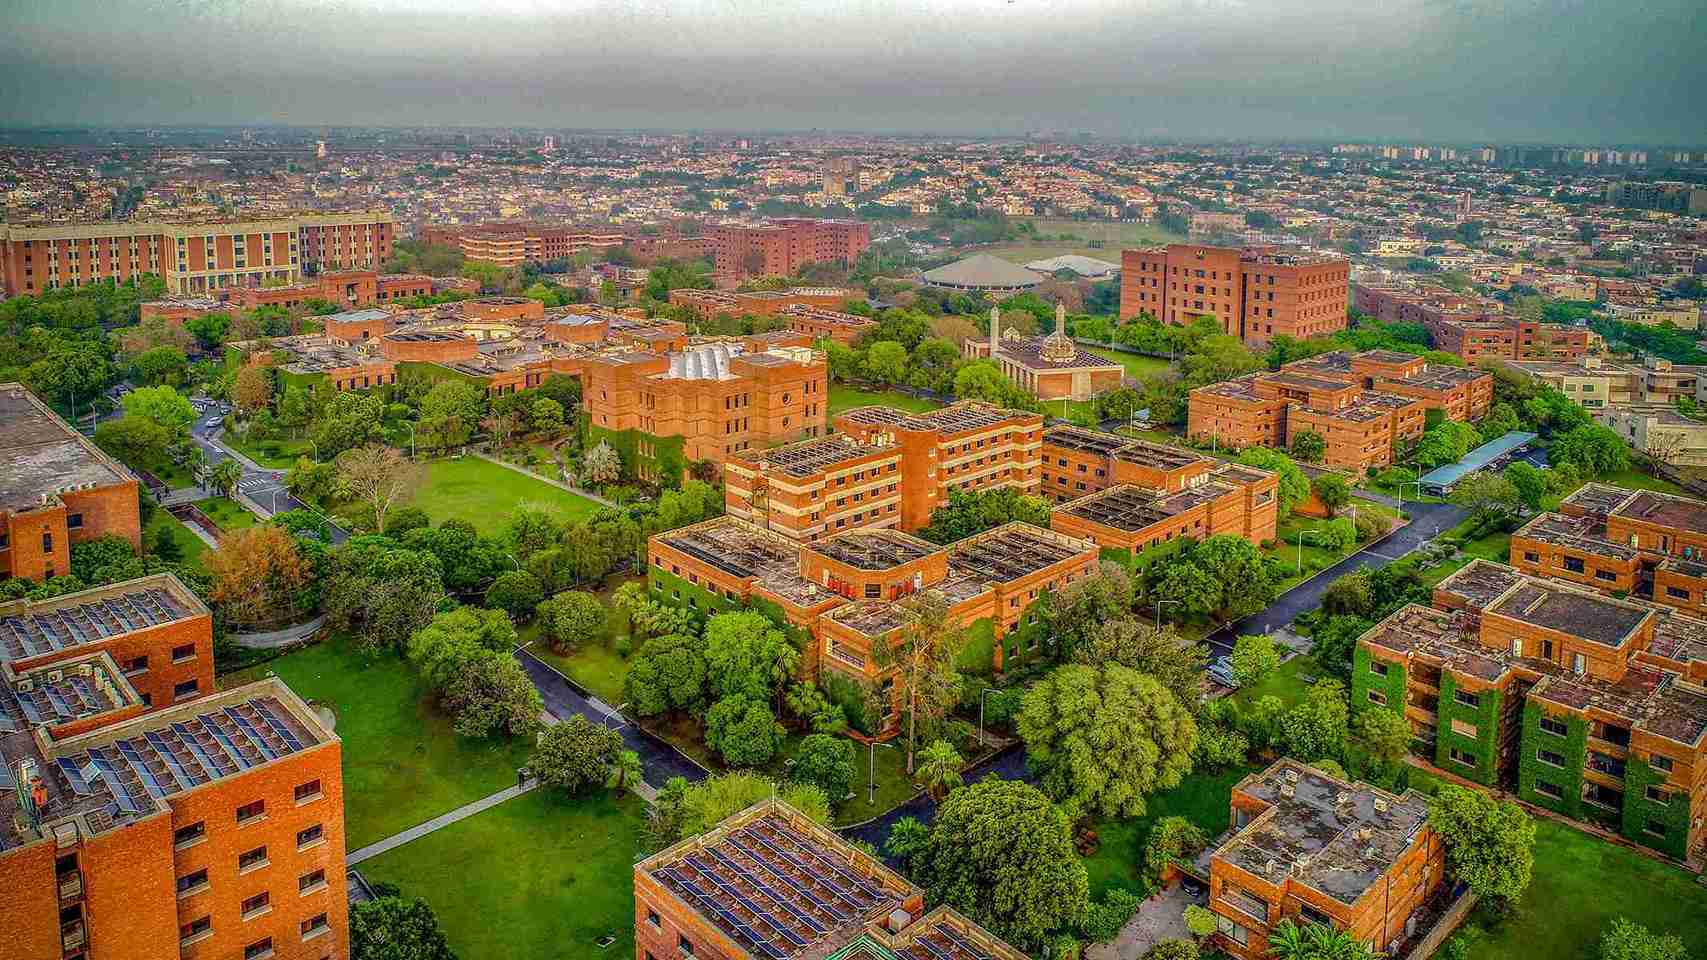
{"x":1002,"y":854}
{"x":390,"y":927}
{"x":667,"y":674}
{"x":1103,"y":738}
{"x":1490,"y":844}
{"x":747,"y":655}
{"x":163,"y":405}
{"x":575,"y":754}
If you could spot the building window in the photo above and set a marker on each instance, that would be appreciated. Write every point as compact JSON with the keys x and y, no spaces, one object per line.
{"x":1554,"y":726}
{"x":1378,"y":667}
{"x":1659,"y":795}
{"x":1463,"y":756}
{"x":256,"y":904}
{"x":310,"y":882}
{"x":1579,"y":665}
{"x":310,"y":836}
{"x":194,"y":833}
{"x":183,"y":653}
{"x":259,"y":950}
{"x":1376,"y":696}
{"x":195,"y":930}
{"x":1549,"y":790}
{"x":314,"y":926}
{"x":74,"y":521}
{"x":187,"y":688}
{"x":1232,"y":931}
{"x":652,"y":917}
{"x":685,"y":945}
{"x":1659,"y":761}
{"x":1677,"y":593}
{"x":136,"y":665}
{"x":1550,"y":758}
{"x":1573,"y":564}
{"x":1466,"y":699}
{"x":1655,"y":828}
{"x":307,"y":791}
{"x":192,"y":882}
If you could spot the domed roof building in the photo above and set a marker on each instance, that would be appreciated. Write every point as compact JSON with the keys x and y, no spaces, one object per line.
{"x":1050,"y":367}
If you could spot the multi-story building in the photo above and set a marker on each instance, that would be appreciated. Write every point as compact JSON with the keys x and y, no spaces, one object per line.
{"x":761,"y":303}
{"x":707,"y":402}
{"x":1471,"y":327}
{"x":968,"y":446}
{"x":1659,"y":431}
{"x":842,"y":589}
{"x":770,"y":884}
{"x":147,"y":815}
{"x":1048,"y":367}
{"x":1365,"y":406}
{"x":1131,"y":495}
{"x":815,"y":488}
{"x":1598,"y":384}
{"x":192,"y":257}
{"x":780,"y":247}
{"x":1628,"y":542}
{"x":56,"y":488}
{"x":819,"y":324}
{"x":348,"y":288}
{"x":1310,"y":847}
{"x":1586,"y":704}
{"x":1255,"y":294}
{"x":512,"y":244}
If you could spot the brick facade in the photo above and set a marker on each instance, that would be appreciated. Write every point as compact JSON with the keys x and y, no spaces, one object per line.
{"x":780,"y":247}
{"x":1255,"y":294}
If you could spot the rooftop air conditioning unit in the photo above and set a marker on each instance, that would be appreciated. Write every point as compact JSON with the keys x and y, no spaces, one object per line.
{"x":26,"y":685}
{"x":55,"y":676}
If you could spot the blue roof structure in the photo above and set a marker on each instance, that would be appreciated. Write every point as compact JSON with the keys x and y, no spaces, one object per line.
{"x":1445,"y":478}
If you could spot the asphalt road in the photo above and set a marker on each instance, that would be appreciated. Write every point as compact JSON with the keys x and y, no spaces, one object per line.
{"x":1427,"y":522}
{"x":265,"y":487}
{"x":1009,"y":764}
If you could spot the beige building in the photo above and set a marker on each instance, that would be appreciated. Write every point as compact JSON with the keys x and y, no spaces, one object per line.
{"x":1660,"y":432}
{"x":1597,"y":384}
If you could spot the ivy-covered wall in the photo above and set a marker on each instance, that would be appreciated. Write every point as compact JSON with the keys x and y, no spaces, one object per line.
{"x":1484,"y":747}
{"x":1117,"y":555}
{"x":436,"y":372}
{"x":1364,"y":680}
{"x":670,"y":588}
{"x":1639,"y":811}
{"x":666,"y":466}
{"x":1573,"y":746}
{"x":978,"y":656}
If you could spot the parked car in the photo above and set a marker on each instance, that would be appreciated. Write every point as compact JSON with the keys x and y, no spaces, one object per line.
{"x":1221,"y":672}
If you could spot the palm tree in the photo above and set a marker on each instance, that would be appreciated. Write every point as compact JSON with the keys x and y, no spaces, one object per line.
{"x":939,"y":768}
{"x":226,"y":473}
{"x":624,"y":770}
{"x":1287,"y":942}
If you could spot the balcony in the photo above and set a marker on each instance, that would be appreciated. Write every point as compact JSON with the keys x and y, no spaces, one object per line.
{"x":70,"y":886}
{"x":72,"y":936}
{"x":1611,"y":766}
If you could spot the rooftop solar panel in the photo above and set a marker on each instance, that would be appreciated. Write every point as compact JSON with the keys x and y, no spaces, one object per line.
{"x":266,"y":713}
{"x":203,"y":756}
{"x":223,"y":740}
{"x":962,"y":942}
{"x":249,"y":733}
{"x":121,"y":795}
{"x":74,"y":777}
{"x":932,"y":949}
{"x":57,"y":701}
{"x":164,"y":749}
{"x":144,"y":774}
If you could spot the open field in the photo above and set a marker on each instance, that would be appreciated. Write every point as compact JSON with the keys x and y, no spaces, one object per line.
{"x":1137,"y":365}
{"x":846,"y":398}
{"x":1201,"y":798}
{"x":283,"y":459}
{"x":541,"y":875}
{"x":403,"y":764}
{"x":230,"y":515}
{"x":485,"y":494}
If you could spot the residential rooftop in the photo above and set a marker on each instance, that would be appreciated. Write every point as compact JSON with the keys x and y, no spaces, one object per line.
{"x":1584,"y":533}
{"x":875,"y":548}
{"x":1567,"y":609}
{"x":34,"y":628}
{"x":748,"y":553}
{"x":1132,"y":508}
{"x":42,"y":457}
{"x":810,"y":457}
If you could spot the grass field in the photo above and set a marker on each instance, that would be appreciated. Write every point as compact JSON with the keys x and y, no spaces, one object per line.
{"x":1287,"y":682}
{"x":1100,"y":239}
{"x":538,"y":876}
{"x":190,"y":545}
{"x":1119,"y":861}
{"x":230,"y":515}
{"x":846,"y":398}
{"x":596,"y":667}
{"x":484,"y":494}
{"x":1580,"y":885}
{"x":1136,"y":365}
{"x":1286,"y":546}
{"x":403,"y":764}
{"x":284,"y":459}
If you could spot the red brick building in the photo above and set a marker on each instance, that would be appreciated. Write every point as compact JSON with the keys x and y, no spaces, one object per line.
{"x":153,"y":817}
{"x":56,"y":489}
{"x":1048,"y":367}
{"x":761,"y":303}
{"x":191,"y":257}
{"x":511,"y":244}
{"x":1313,"y":848}
{"x":779,"y":248}
{"x":815,"y":488}
{"x":1255,"y":294}
{"x":1471,"y":327}
{"x":820,"y":324}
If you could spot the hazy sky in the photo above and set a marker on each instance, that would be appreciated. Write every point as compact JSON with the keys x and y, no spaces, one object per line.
{"x":1557,"y":70}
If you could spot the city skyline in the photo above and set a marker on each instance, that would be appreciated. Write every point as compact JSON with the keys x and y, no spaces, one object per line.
{"x":1543,"y":71}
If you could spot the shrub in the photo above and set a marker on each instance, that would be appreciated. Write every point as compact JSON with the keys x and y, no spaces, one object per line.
{"x":743,"y":731}
{"x":571,"y":620}
{"x":1105,"y":918}
{"x":826,"y":761}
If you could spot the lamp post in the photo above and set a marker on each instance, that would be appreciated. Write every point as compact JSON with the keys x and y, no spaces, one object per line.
{"x":981,"y":696}
{"x":1409,"y":483}
{"x":513,"y":560}
{"x":1301,"y":535}
{"x":411,"y":425}
{"x":314,"y":447}
{"x":871,"y":770}
{"x":1159,"y":611}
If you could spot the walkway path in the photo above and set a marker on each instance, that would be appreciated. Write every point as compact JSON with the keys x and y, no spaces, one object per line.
{"x":273,"y":639}
{"x":542,"y":478}
{"x":438,"y":823}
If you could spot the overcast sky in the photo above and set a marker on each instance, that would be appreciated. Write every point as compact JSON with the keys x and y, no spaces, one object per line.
{"x":1551,"y":70}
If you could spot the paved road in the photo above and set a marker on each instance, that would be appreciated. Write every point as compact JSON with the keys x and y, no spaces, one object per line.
{"x":658,"y":759}
{"x":1427,"y":521}
{"x":1008,"y":764}
{"x":262,"y":486}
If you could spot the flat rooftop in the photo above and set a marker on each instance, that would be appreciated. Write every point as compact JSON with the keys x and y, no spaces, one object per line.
{"x":1131,"y":508}
{"x":1579,"y":612}
{"x":1664,"y":510}
{"x":1441,"y":636}
{"x":1332,"y":836}
{"x":1085,"y":441}
{"x":1012,"y":551}
{"x":778,"y":885}
{"x":875,"y":548}
{"x":808,"y":458}
{"x":1598,"y":499}
{"x":119,"y":774}
{"x":33,"y":628}
{"x":750,"y":553}
{"x":41,"y":456}
{"x":1585,"y":533}
{"x":963,"y":417}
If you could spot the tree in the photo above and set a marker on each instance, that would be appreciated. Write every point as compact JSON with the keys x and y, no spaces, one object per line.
{"x":1624,"y":939}
{"x":1294,"y":486}
{"x":939,"y":768}
{"x":1289,"y":940}
{"x":1161,"y":652}
{"x":257,"y":576}
{"x":160,"y":366}
{"x":1200,"y":920}
{"x":1244,"y":583}
{"x":135,"y":440}
{"x":1490,"y":844}
{"x":1529,"y":483}
{"x":209,"y":329}
{"x":1254,"y":657}
{"x":164,"y":406}
{"x":1002,"y":854}
{"x":1173,"y":950}
{"x":625,"y":771}
{"x":886,"y":362}
{"x":601,"y":465}
{"x":1309,"y":446}
{"x":569,"y":621}
{"x":516,"y":592}
{"x":746,"y":655}
{"x":465,"y":657}
{"x":225,"y":476}
{"x":1332,"y":490}
{"x":968,"y":513}
{"x":668,"y":673}
{"x":379,"y":477}
{"x":1385,"y":735}
{"x":546,"y":415}
{"x":1171,"y":839}
{"x":252,"y":389}
{"x":449,"y":413}
{"x":1316,"y":726}
{"x":1593,"y":449}
{"x":379,"y":593}
{"x":1102,"y":738}
{"x":743,"y":731}
{"x":922,"y":657}
{"x":393,"y":928}
{"x":575,"y":754}
{"x":686,"y":810}
{"x":1103,"y":597}
{"x":827,"y":762}
{"x":1488,"y":496}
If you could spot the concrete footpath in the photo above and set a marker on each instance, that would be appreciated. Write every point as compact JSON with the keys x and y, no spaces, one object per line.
{"x":438,"y":823}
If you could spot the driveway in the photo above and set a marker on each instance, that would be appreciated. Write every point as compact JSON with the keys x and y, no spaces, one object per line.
{"x":1428,"y":520}
{"x":263,"y":487}
{"x":1162,"y":917}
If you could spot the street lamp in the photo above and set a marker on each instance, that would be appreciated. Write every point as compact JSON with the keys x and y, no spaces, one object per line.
{"x":981,"y":696}
{"x":1159,"y":611}
{"x":1409,"y":483}
{"x":411,"y":425}
{"x":1301,"y":535}
{"x":513,"y":560}
{"x":871,"y":769}
{"x":314,"y":447}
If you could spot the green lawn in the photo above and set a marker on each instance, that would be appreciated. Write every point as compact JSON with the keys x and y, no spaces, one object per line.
{"x":230,"y":515}
{"x":846,"y":398}
{"x":403,"y":764}
{"x":484,"y":494}
{"x":1136,"y":365}
{"x":1493,"y":546}
{"x":1287,"y":682}
{"x":1286,"y":546}
{"x":190,"y":545}
{"x":595,"y":666}
{"x":894,"y":787}
{"x":1636,"y":480}
{"x":1440,"y":571}
{"x":1580,"y":885}
{"x":1119,"y":860}
{"x":537,"y":876}
{"x":283,"y":459}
